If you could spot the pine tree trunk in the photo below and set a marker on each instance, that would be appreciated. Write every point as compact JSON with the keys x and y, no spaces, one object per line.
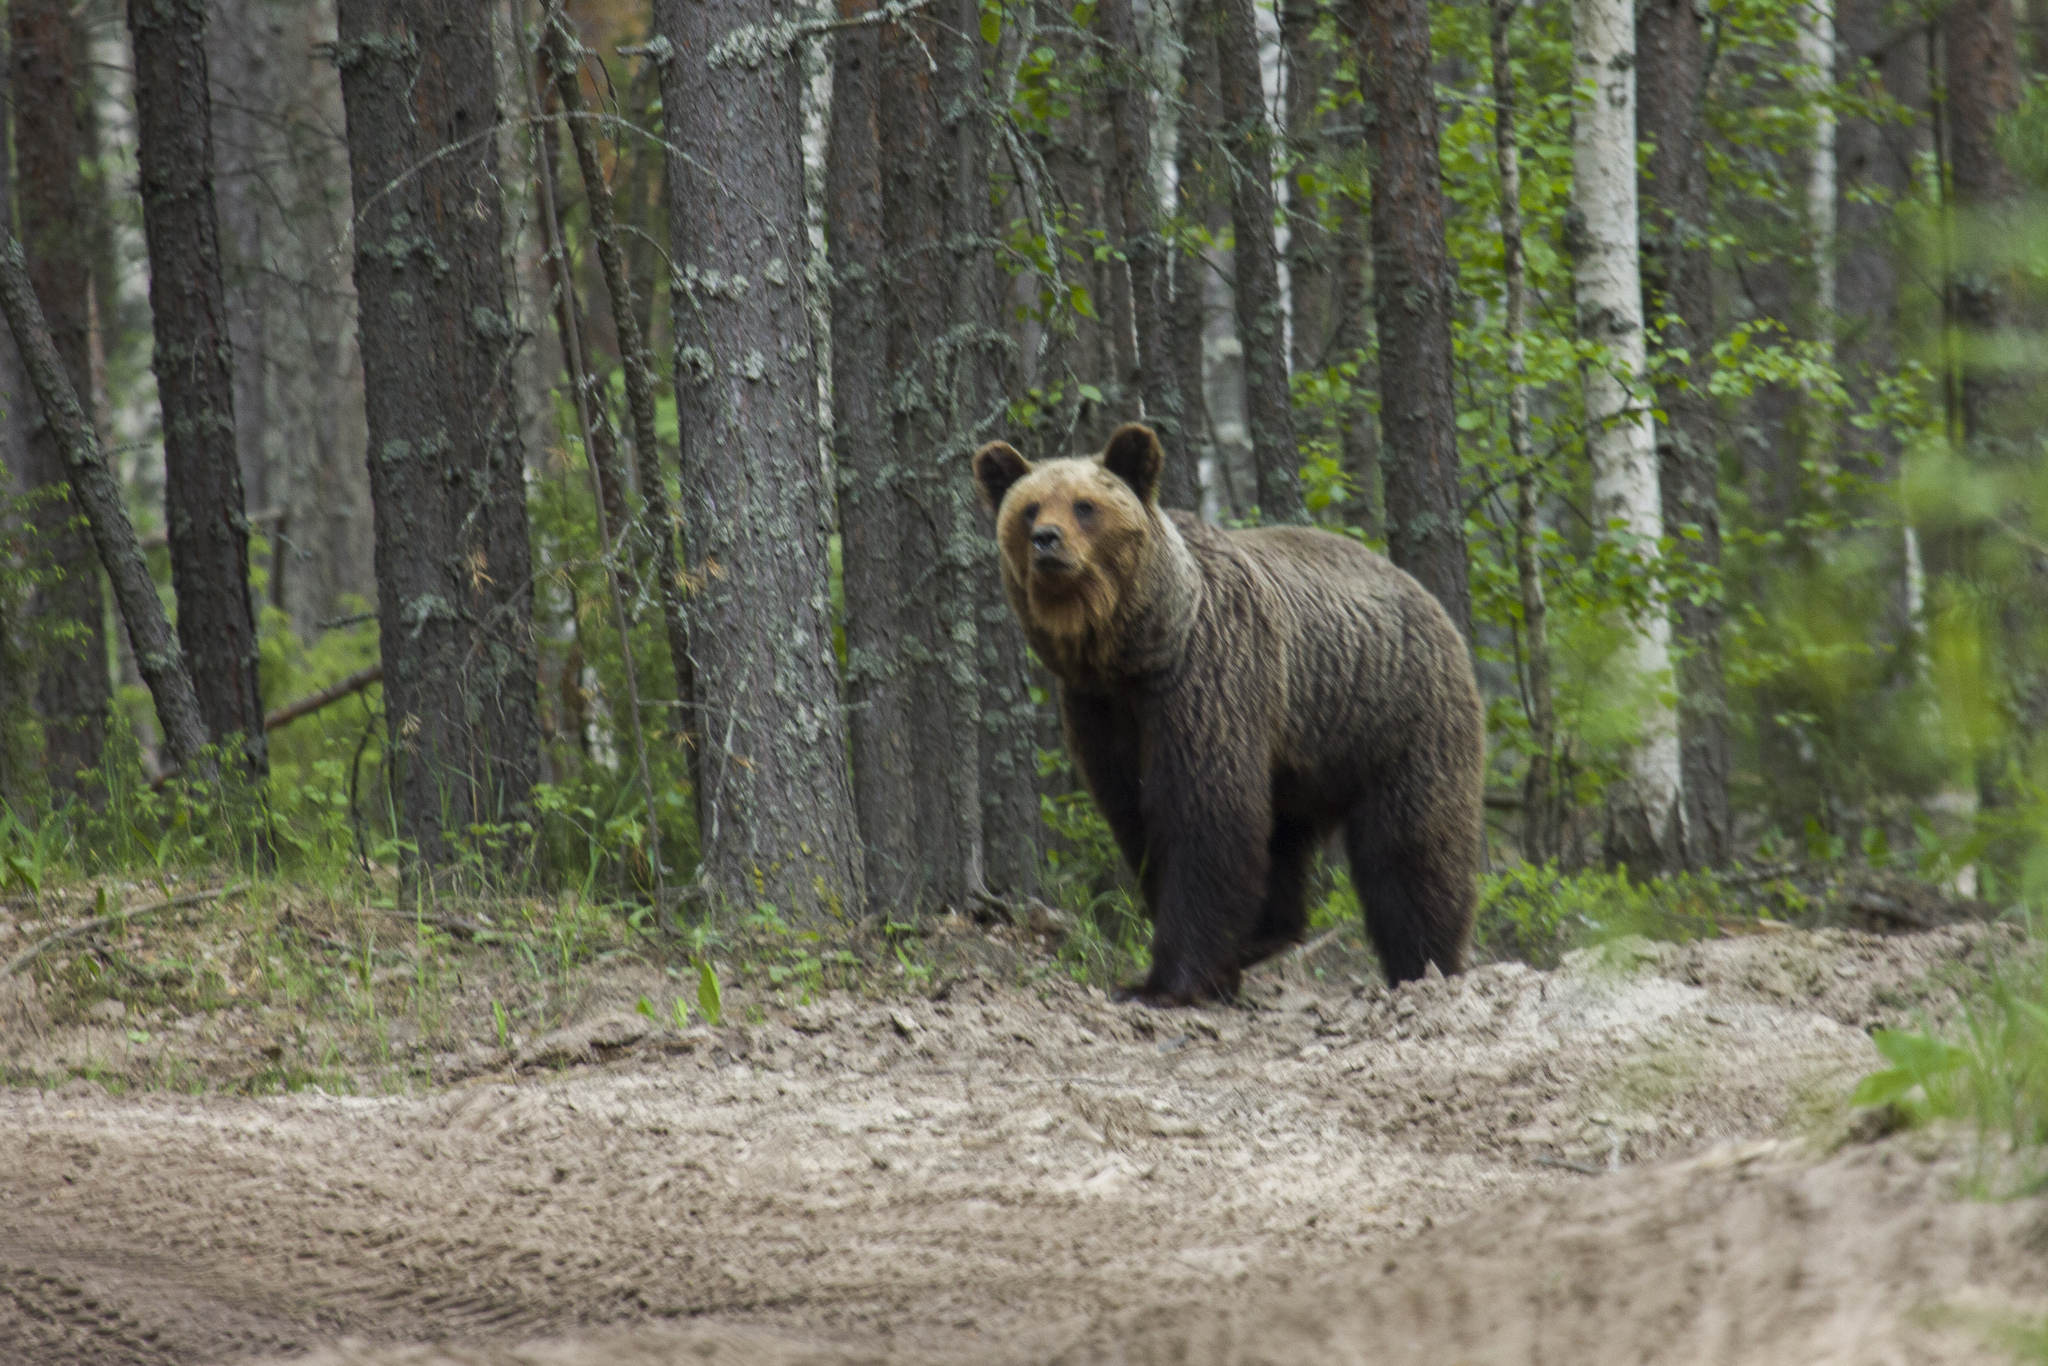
{"x":1131,"y":188}
{"x":73,"y":691}
{"x":775,"y":809}
{"x":1261,"y":320}
{"x":1648,"y":821}
{"x":934,"y":651}
{"x":1678,"y":287}
{"x":93,"y":483}
{"x":204,"y":511}
{"x":1194,"y":187}
{"x":1311,"y":277}
{"x":1413,"y":287}
{"x":1979,"y":41}
{"x":884,"y":727}
{"x":454,"y":568}
{"x":237,"y":61}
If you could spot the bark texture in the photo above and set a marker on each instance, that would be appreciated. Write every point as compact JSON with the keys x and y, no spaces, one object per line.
{"x":944,"y":729}
{"x":1979,"y":40}
{"x":1678,"y":294}
{"x":454,"y":568}
{"x":1541,"y":804}
{"x":775,"y":809}
{"x":203,"y":508}
{"x":1131,"y":189}
{"x":1413,"y":288}
{"x":1646,"y":813}
{"x":48,"y":82}
{"x":1261,"y":318}
{"x":1195,"y":192}
{"x":99,"y":492}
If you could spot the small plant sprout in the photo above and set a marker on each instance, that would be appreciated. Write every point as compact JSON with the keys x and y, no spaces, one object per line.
{"x":710,"y":1000}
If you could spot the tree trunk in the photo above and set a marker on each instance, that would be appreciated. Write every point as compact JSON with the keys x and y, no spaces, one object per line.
{"x":1261,"y":320}
{"x":73,"y":692}
{"x":1194,"y":188}
{"x":1311,"y":254}
{"x":1540,"y":804}
{"x":93,"y":483}
{"x":454,"y":568}
{"x":1648,"y":822}
{"x":205,"y":516}
{"x":1983,"y":85}
{"x":775,"y":810}
{"x":1132,"y":189}
{"x":1413,"y":288}
{"x":1678,"y":289}
{"x":879,"y":610}
{"x":655,"y":533}
{"x":1352,"y":341}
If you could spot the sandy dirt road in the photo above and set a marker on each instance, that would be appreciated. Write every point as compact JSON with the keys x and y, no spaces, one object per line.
{"x":1590,"y":1165}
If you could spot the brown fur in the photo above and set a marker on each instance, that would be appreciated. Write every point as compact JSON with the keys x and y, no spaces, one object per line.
{"x":1233,"y":698}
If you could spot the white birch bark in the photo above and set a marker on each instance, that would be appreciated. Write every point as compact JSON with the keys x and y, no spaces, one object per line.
{"x":1817,"y":52}
{"x":1620,"y":439}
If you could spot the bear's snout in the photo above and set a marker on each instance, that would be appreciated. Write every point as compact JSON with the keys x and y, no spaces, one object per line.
{"x":1048,"y":547}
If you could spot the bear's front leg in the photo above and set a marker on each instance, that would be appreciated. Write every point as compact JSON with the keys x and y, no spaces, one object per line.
{"x":1208,"y":819}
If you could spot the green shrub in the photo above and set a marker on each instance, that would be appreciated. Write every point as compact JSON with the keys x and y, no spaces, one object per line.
{"x":1536,"y":914}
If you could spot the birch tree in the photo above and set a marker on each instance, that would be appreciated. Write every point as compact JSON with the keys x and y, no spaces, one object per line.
{"x":1261,"y":322}
{"x":1646,"y":814}
{"x":1678,"y":292}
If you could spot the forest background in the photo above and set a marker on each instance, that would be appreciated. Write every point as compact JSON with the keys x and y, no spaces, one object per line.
{"x":548,"y":429}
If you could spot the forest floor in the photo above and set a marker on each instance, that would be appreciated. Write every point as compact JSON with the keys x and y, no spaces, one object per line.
{"x":1645,"y":1155}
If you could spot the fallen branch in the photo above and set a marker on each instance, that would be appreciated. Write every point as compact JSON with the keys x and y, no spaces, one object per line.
{"x":306,"y":706}
{"x":35,"y":950}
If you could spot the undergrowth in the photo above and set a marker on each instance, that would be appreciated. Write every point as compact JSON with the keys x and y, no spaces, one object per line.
{"x":1988,"y":1071}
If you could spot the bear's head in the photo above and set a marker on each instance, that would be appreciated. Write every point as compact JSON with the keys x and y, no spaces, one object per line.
{"x":1075,"y":534}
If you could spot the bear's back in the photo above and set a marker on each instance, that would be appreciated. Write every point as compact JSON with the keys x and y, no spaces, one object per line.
{"x":1369,"y":652}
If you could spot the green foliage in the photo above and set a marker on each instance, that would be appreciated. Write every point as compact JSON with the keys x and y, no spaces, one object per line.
{"x":1537,"y":914}
{"x":1990,"y":1072}
{"x":1110,"y":939}
{"x":710,"y":999}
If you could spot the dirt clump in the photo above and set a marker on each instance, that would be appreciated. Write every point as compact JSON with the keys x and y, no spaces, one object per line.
{"x":1011,"y":1174}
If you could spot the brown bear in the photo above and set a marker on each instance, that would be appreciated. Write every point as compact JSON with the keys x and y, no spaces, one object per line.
{"x":1234,"y":697}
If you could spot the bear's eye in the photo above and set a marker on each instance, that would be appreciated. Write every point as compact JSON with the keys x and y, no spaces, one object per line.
{"x":1084,"y":508}
{"x":1030,"y":513}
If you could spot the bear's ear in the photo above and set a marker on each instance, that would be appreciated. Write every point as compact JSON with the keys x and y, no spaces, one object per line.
{"x":997,"y":466}
{"x":1133,"y":455}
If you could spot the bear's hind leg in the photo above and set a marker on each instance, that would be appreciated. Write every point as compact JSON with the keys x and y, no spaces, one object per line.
{"x":1417,"y":891}
{"x":1284,"y":915}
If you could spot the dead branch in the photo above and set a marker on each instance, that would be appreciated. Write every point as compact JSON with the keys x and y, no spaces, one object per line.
{"x":97,"y":923}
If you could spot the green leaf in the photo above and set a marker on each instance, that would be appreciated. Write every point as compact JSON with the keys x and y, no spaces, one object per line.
{"x":1921,"y":1055}
{"x":710,"y":1000}
{"x":679,"y":1013}
{"x":1082,"y":304}
{"x":1880,"y":1088}
{"x":1090,"y":392}
{"x":644,"y":1007}
{"x":991,"y":26}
